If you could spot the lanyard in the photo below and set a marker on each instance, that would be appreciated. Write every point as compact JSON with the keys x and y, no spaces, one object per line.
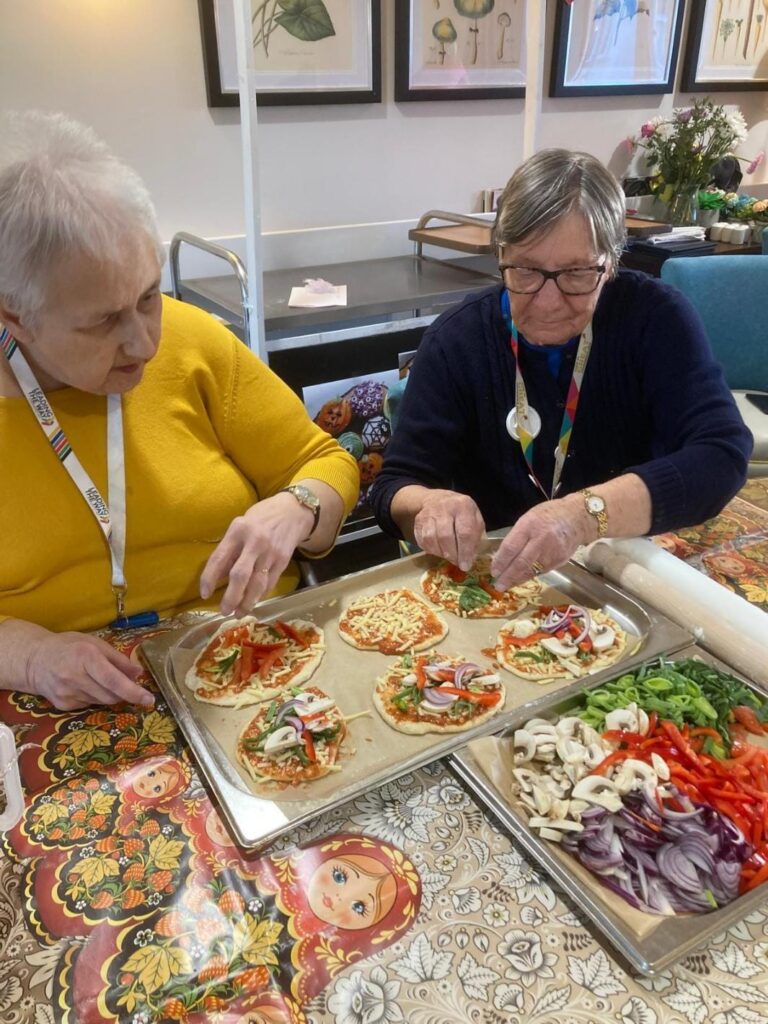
{"x":111,"y":518}
{"x":522,"y":408}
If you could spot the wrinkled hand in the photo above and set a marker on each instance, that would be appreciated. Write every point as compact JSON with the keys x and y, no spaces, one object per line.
{"x":543,"y":538}
{"x":254,"y":552}
{"x":73,"y":670}
{"x":449,"y":525}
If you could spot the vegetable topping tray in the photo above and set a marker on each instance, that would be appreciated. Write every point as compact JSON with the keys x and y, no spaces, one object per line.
{"x":645,"y":796}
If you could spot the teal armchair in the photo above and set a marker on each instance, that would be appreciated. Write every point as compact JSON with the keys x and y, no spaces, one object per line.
{"x":730,"y":293}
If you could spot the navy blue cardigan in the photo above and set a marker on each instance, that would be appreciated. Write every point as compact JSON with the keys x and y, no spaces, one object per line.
{"x":653,"y":402}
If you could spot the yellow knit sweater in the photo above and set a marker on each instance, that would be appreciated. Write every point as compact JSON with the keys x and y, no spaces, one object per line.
{"x":209,"y":431}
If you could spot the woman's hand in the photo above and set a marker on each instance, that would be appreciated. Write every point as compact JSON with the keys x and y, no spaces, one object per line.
{"x":73,"y":670}
{"x":544,"y":537}
{"x":449,"y":525}
{"x":255,"y":550}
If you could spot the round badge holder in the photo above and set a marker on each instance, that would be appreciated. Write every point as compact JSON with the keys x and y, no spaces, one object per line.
{"x":533,"y":425}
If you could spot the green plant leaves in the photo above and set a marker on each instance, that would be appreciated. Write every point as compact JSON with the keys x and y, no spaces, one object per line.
{"x":307,"y":20}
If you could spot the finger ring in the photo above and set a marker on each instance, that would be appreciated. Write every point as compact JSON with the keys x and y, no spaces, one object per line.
{"x":537,"y":567}
{"x":264,"y":572}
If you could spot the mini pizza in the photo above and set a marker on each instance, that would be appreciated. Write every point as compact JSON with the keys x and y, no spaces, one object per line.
{"x":251,"y":661}
{"x":472,"y":594}
{"x":435,"y":692}
{"x":561,"y":642}
{"x":293,"y":739}
{"x":393,"y":622}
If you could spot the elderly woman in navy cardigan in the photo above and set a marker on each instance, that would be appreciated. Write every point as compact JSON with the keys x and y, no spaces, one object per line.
{"x":573,"y":401}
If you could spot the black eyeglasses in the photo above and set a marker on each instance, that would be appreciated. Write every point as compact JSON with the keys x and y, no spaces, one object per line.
{"x":570,"y":281}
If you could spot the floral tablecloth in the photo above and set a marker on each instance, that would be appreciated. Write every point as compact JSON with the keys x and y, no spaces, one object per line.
{"x":123,"y":899}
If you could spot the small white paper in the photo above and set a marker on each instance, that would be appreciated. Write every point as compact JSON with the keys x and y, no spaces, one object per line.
{"x":318,"y":293}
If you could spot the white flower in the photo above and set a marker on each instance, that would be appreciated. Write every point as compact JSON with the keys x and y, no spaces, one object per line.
{"x":395,"y":813}
{"x":635,"y":1011}
{"x":360,"y":1000}
{"x":524,"y":953}
{"x":446,"y":862}
{"x":496,"y":915}
{"x":508,"y":997}
{"x":737,"y":124}
{"x":144,"y":937}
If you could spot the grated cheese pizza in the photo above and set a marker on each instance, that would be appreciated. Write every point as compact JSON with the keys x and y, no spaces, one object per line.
{"x":293,"y":739}
{"x":472,"y":594}
{"x":559,"y":642}
{"x":436,"y":692}
{"x":393,"y":621}
{"x":251,"y":661}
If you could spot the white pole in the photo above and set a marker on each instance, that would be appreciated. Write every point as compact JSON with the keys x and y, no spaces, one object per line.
{"x":536,"y":26}
{"x":246,"y":80}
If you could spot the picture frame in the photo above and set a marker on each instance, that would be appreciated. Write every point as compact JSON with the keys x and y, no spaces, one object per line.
{"x":601,"y":49}
{"x":329,"y":54}
{"x":459,"y":55}
{"x":727,"y":47}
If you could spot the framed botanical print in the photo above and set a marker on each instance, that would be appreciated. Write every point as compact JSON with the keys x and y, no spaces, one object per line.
{"x":615,"y":47}
{"x":459,"y":49}
{"x":727,"y":46}
{"x":305,"y":51}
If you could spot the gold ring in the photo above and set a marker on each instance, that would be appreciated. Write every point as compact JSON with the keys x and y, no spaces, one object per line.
{"x":537,"y":567}
{"x":264,"y":572}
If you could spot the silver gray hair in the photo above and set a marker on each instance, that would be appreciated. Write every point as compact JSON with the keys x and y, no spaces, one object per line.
{"x":62,"y":191}
{"x":550,"y":185}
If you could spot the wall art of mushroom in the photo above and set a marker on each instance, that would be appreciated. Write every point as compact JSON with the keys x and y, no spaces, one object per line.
{"x":444,"y":32}
{"x":474,"y":9}
{"x":504,"y":21}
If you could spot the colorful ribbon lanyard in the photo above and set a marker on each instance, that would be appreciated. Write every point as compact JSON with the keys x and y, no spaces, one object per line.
{"x":522,"y":408}
{"x":111,"y":518}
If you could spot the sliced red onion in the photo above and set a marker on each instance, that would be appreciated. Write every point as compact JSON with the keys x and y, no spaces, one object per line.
{"x":431,"y":670}
{"x":467,"y":669}
{"x":297,"y":723}
{"x":556,"y":620}
{"x":578,"y":612}
{"x":290,"y":705}
{"x":434,"y":695}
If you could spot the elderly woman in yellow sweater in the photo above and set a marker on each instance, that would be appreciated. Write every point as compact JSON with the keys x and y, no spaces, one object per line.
{"x":148,"y":459}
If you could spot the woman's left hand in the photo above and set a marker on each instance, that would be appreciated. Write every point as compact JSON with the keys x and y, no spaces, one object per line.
{"x":544,"y":537}
{"x":254,"y":552}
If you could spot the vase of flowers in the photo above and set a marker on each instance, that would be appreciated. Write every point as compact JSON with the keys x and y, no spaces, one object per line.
{"x":682,"y":148}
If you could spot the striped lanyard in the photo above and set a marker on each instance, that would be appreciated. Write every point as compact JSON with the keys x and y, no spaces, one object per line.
{"x":522,"y":407}
{"x":111,"y":518}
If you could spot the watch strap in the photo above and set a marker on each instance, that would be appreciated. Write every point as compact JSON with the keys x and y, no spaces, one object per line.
{"x":306,"y":498}
{"x":600,"y":515}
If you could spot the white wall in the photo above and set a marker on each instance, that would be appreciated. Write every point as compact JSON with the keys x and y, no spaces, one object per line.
{"x":133,"y":70}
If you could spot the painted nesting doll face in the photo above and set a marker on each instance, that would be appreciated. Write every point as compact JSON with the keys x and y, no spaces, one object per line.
{"x":351,"y":892}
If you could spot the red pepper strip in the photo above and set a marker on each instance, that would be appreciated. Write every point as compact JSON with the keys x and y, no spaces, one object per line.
{"x":269,"y":661}
{"x":634,"y":739}
{"x":421,"y":676}
{"x":487,"y":698}
{"x":611,"y":759}
{"x":586,"y":644}
{"x":309,"y":746}
{"x":702,"y":730}
{"x":443,"y":675}
{"x":290,"y":633}
{"x":680,"y":742}
{"x":453,"y":572}
{"x":746,"y":716}
{"x":525,"y":641}
{"x":653,"y":719}
{"x":264,"y":648}
{"x":757,"y":879}
{"x":246,"y":664}
{"x":491,"y":591}
{"x":729,"y":794}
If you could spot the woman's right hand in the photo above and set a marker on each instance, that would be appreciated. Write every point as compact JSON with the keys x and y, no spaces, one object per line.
{"x":73,"y":670}
{"x":449,"y":525}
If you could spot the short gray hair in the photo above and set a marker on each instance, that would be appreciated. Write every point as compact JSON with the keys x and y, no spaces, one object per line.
{"x":550,"y":185}
{"x":61,"y":191}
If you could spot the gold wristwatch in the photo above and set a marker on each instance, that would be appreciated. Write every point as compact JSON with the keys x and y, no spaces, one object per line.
{"x":308,"y":499}
{"x":595,"y":507}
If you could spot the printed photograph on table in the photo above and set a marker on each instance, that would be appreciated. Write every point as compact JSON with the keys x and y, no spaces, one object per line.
{"x":727,"y":46}
{"x":615,"y":47}
{"x":356,"y":411}
{"x":459,"y":49}
{"x":327,"y":51}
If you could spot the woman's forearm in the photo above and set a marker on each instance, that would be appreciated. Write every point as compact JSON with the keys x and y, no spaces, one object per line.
{"x":17,"y":641}
{"x":331,"y":514}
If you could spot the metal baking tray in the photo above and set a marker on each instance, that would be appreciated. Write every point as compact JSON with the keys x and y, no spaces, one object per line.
{"x":673,"y":937}
{"x":373,"y":753}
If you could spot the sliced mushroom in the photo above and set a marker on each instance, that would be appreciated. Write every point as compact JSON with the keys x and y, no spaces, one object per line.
{"x":634,"y":774}
{"x":540,"y":727}
{"x":562,"y":824}
{"x":524,"y":746}
{"x":521,"y":628}
{"x":624,"y":719}
{"x":660,"y":767}
{"x":526,"y":778}
{"x":602,"y":637}
{"x":596,"y":753}
{"x":562,"y":648}
{"x":570,"y":751}
{"x":576,"y":729}
{"x":596,"y":789}
{"x":542,"y":800}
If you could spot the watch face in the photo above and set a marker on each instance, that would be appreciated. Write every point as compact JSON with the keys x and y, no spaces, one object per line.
{"x":305,"y":496}
{"x":595,"y":504}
